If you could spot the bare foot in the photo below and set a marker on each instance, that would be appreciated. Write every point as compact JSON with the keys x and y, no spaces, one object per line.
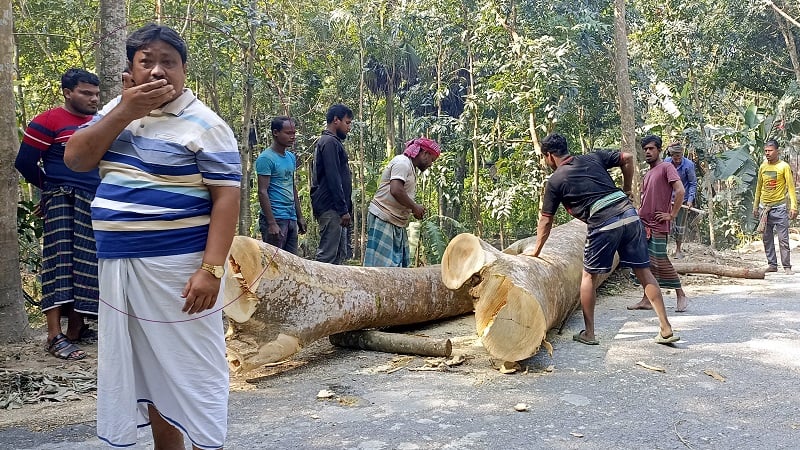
{"x":643,"y":304}
{"x":683,"y":302}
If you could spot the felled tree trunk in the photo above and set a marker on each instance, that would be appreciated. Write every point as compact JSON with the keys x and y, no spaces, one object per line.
{"x":518,"y":298}
{"x":716,"y":269}
{"x":280,"y":302}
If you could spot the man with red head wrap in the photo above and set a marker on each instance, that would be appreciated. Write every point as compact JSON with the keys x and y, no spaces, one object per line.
{"x":393,"y":204}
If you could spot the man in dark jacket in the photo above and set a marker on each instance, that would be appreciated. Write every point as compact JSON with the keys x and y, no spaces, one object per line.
{"x":332,"y":186}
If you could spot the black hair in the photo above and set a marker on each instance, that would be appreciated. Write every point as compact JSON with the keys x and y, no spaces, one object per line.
{"x":555,"y":144}
{"x":652,"y":138}
{"x":73,"y":76}
{"x":338,"y":110}
{"x":277,"y":123}
{"x":772,"y":143}
{"x":150,"y":33}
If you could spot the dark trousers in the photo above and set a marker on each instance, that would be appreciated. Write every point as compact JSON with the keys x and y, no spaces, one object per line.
{"x":332,"y":238}
{"x":777,"y":223}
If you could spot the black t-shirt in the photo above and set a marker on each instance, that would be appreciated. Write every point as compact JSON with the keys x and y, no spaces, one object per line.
{"x":579,"y":182}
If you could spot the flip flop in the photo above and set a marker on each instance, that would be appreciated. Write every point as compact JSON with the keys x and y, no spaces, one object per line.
{"x":578,"y":337}
{"x":667,"y":339}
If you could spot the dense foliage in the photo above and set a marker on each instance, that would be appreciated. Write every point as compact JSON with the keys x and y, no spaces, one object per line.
{"x":487,"y":78}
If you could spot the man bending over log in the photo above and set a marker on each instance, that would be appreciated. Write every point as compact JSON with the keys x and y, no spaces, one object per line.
{"x":583,"y":185}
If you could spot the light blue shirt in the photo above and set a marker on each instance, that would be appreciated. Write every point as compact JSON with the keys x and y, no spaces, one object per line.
{"x":280,"y":170}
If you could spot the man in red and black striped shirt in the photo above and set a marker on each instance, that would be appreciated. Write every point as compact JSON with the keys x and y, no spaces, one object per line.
{"x":69,"y":259}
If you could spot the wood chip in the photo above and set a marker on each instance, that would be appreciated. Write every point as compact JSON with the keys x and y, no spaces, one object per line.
{"x":713,"y":374}
{"x":549,"y":347}
{"x":649,"y":367}
{"x":509,"y":367}
{"x":325,"y":394}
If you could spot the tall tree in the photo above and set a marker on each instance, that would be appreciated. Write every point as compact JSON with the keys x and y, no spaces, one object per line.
{"x":111,"y":58}
{"x":624,"y":91}
{"x":13,"y":322}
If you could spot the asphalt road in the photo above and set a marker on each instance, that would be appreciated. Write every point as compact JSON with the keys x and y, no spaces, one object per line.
{"x":730,"y":383}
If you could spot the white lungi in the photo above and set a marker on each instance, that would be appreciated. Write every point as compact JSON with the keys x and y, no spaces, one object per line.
{"x":179,"y":366}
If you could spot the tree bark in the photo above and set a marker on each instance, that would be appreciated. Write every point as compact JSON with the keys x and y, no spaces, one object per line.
{"x":13,"y":321}
{"x":716,"y":269}
{"x":111,"y":58}
{"x":624,"y":92}
{"x":518,"y":298}
{"x":392,"y":343}
{"x":245,"y":149}
{"x":277,"y":302}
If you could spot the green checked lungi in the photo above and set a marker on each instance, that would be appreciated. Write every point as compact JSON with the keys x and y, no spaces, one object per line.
{"x":387,"y":244}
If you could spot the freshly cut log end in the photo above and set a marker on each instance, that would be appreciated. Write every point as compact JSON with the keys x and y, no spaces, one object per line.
{"x":245,"y":269}
{"x":518,"y":298}
{"x":463,"y":257}
{"x":510,"y":322}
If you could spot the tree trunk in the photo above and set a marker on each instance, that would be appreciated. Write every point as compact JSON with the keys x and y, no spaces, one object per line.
{"x":111,"y":58}
{"x":624,"y":93}
{"x":13,"y":321}
{"x":392,"y":343}
{"x":518,"y":298}
{"x":791,"y":47}
{"x":716,"y":269}
{"x":280,"y":302}
{"x":245,"y":149}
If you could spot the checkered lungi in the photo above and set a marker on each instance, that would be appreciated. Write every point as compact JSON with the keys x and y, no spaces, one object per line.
{"x":679,"y":224}
{"x":387,"y":244}
{"x":69,"y":255}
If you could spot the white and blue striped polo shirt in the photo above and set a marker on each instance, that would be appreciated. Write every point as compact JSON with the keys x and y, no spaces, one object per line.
{"x":153,"y":200}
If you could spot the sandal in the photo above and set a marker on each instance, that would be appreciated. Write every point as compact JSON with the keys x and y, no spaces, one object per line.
{"x":87,"y":335}
{"x":61,"y":347}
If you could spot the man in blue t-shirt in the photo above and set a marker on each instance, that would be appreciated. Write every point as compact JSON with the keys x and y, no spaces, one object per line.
{"x":281,"y":218}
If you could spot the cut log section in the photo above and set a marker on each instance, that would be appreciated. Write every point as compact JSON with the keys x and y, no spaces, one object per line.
{"x":717,"y":269}
{"x":518,"y":298}
{"x":393,"y":343}
{"x":278,"y":302}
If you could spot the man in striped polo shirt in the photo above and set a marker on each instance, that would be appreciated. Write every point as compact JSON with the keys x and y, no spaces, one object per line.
{"x":164,"y":216}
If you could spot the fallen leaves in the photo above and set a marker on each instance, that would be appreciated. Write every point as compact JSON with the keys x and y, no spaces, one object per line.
{"x":22,"y":387}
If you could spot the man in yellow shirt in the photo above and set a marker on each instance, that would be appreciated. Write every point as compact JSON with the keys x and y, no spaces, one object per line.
{"x":775,"y":183}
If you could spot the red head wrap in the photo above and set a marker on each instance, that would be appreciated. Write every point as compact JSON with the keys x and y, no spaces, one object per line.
{"x":415,"y":145}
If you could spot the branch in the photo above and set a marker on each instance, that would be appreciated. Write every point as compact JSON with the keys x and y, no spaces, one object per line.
{"x":782,"y":13}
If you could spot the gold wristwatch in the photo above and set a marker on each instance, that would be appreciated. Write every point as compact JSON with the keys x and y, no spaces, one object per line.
{"x":217,"y":271}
